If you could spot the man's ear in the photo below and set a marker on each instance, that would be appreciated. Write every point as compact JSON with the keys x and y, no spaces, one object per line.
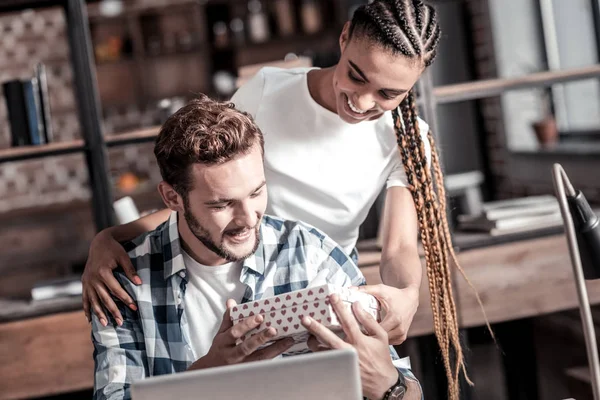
{"x":170,"y":197}
{"x":345,"y":36}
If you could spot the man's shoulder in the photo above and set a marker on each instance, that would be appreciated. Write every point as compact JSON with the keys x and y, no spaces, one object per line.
{"x":149,"y":250}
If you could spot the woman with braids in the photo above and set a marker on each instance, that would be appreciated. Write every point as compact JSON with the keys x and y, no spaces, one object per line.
{"x":334,"y":138}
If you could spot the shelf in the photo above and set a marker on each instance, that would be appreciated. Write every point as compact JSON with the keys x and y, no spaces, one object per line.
{"x":278,"y":40}
{"x":137,"y":136}
{"x":196,"y":50}
{"x":46,"y":150}
{"x":136,"y":9}
{"x":495,"y":87}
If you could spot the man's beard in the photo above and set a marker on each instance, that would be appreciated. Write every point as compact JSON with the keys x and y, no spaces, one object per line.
{"x":219,"y":249}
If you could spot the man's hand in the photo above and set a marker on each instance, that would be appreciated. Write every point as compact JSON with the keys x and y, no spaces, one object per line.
{"x":225,"y":351}
{"x":399,"y":305}
{"x":98,"y":280}
{"x":377,"y":372}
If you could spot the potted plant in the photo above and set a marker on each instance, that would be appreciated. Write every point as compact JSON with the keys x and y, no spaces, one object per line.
{"x":545,"y":129}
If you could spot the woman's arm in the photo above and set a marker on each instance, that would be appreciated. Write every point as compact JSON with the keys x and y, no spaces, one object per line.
{"x":400,"y":267}
{"x":104,"y":256}
{"x":133,"y":229}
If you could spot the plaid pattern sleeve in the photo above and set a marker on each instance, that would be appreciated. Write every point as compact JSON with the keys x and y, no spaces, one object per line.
{"x":119,"y":354}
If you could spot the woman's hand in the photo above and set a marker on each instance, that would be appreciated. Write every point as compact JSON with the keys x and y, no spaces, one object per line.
{"x":400,"y":307}
{"x":377,"y":372}
{"x":98,"y":280}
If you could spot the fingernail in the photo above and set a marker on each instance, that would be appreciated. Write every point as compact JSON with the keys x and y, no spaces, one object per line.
{"x":307,"y":321}
{"x":133,"y":307}
{"x":88,"y":319}
{"x":119,"y":321}
{"x":103,"y":322}
{"x":258,"y":318}
{"x":137,"y":280}
{"x":271,"y":331}
{"x":334,"y":298}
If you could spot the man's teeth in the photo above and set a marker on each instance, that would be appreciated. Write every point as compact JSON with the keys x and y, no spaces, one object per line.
{"x":356,"y":110}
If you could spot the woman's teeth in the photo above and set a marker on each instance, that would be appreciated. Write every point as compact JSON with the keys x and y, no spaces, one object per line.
{"x":353,"y":108}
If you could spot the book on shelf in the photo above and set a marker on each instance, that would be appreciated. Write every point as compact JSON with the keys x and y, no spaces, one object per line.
{"x":28,"y":107}
{"x":514,"y":216}
{"x":32,"y":107}
{"x":17,"y":112}
{"x":55,"y":288}
{"x":44,"y":97}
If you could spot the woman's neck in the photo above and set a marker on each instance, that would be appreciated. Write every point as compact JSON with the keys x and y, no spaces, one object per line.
{"x":320,"y":87}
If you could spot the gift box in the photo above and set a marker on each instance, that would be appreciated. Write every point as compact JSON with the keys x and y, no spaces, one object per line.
{"x":285,"y":312}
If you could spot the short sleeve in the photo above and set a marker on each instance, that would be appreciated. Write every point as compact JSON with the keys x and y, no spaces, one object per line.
{"x":248,"y":97}
{"x":397,"y":176}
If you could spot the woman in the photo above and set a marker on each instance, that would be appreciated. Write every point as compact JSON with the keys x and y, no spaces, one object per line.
{"x":331,"y":139}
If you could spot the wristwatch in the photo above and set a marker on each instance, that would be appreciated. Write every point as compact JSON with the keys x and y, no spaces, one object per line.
{"x":398,"y":389}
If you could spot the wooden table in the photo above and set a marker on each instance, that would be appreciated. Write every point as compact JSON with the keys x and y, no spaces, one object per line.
{"x":514,"y":280}
{"x":53,"y":354}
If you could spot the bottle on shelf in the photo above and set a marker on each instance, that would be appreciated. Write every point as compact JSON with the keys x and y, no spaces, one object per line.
{"x":311,"y":17}
{"x":258,"y":27}
{"x":221,"y":34}
{"x":237,"y":30}
{"x":284,"y":15}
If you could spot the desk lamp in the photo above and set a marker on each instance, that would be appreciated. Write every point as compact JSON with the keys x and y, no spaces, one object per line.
{"x":582,"y":228}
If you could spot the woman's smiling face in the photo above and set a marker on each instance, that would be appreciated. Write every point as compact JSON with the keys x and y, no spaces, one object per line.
{"x":369,"y":80}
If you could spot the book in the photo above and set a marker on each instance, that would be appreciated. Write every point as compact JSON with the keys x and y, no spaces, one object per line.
{"x":531,"y":205}
{"x":17,"y":113}
{"x":44,"y":97}
{"x":32,"y":107}
{"x":514,"y":215}
{"x":482,"y":223}
{"x":62,"y":287}
{"x":551,"y":223}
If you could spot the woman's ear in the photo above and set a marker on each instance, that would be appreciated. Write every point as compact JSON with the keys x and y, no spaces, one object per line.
{"x":345,"y":36}
{"x":170,"y":197}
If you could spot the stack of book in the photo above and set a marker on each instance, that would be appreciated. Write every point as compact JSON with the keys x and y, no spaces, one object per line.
{"x":514,"y":216}
{"x":29,"y":109}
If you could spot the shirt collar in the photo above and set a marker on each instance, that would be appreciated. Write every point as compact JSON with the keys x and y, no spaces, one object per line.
{"x":173,"y":256}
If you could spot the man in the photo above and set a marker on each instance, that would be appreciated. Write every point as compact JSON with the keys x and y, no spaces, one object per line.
{"x":216,"y":249}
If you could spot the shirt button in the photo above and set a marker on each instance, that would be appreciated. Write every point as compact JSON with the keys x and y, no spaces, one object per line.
{"x":182,"y":274}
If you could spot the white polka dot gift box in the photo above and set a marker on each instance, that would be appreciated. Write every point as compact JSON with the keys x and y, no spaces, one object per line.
{"x":285,"y":312}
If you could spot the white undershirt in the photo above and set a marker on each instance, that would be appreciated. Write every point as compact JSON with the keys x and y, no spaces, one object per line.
{"x":207,"y":291}
{"x":320,"y":169}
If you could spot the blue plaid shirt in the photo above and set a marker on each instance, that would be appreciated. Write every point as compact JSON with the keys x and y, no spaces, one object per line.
{"x":155,"y":339}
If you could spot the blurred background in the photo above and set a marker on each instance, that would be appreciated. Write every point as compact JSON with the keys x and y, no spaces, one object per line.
{"x":150,"y":56}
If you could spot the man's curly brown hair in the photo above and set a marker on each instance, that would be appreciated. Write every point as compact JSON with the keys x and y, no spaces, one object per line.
{"x":203,"y":131}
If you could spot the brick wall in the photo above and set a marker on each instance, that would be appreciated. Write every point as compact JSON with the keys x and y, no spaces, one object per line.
{"x":30,"y":37}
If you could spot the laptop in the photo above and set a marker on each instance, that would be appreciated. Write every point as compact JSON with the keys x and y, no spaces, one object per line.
{"x":325,"y":375}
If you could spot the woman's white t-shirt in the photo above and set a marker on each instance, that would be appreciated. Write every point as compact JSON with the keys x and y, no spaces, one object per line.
{"x":320,"y":169}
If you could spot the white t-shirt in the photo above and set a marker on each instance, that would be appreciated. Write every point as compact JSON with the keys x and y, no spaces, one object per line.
{"x":207,"y":291}
{"x":320,"y":169}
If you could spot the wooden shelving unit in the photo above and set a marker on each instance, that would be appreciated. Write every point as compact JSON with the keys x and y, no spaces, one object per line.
{"x":47,"y":150}
{"x":430,"y":96}
{"x":137,"y":136}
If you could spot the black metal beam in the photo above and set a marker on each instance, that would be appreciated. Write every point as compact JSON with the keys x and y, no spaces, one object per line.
{"x":88,"y":106}
{"x":596,"y":17}
{"x":18,"y":5}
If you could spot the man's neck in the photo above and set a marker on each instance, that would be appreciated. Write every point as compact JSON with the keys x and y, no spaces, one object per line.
{"x":194,"y":247}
